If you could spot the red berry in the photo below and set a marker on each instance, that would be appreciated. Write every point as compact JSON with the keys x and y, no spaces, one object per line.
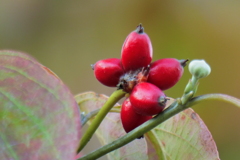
{"x":108,"y":71}
{"x":136,"y":50}
{"x":147,"y":99}
{"x":165,"y":73}
{"x":130,"y":119}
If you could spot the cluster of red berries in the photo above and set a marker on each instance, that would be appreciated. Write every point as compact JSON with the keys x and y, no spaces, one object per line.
{"x":143,"y":80}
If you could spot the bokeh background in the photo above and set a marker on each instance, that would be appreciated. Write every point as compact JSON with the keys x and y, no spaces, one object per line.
{"x":68,"y":36}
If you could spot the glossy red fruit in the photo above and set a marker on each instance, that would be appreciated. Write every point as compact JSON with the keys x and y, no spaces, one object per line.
{"x":136,"y":50}
{"x":165,"y":73}
{"x":108,"y":71}
{"x":130,"y":119}
{"x":147,"y":99}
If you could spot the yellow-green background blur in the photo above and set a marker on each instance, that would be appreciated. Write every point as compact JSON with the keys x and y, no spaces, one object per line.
{"x":68,"y":36}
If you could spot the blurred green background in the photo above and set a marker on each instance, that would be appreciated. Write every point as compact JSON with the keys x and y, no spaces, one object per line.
{"x":68,"y":36}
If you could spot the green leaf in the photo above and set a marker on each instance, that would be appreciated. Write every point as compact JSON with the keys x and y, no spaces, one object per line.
{"x":39,"y":118}
{"x":111,"y":128}
{"x":184,"y":136}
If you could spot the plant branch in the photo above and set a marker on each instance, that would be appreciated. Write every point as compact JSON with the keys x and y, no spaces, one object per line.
{"x":172,"y":110}
{"x":112,"y":100}
{"x":95,"y":112}
{"x":215,"y":96}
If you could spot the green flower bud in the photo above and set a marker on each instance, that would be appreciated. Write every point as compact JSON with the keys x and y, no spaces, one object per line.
{"x":199,"y":68}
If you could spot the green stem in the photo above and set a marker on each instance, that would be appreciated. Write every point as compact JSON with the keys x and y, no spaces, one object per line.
{"x":112,"y":100}
{"x":172,"y":110}
{"x":95,"y":112}
{"x":89,"y":116}
{"x":215,"y":96}
{"x":194,"y":80}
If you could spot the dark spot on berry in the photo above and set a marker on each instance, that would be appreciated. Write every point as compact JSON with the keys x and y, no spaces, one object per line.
{"x":183,"y":62}
{"x":140,"y":29}
{"x":92,"y":66}
{"x":163,"y":100}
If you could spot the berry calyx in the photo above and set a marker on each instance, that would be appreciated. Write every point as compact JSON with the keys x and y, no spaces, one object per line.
{"x":147,"y":99}
{"x":108,"y":71}
{"x":130,"y":119}
{"x":136,"y":50}
{"x":165,"y":73}
{"x":129,"y":79}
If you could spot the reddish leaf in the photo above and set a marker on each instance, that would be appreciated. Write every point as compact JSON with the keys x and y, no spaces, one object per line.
{"x":39,"y":118}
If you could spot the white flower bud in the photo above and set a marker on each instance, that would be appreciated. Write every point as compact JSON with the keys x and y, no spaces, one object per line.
{"x":199,"y":68}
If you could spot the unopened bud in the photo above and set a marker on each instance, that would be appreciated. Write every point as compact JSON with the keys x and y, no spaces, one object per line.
{"x":199,"y":68}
